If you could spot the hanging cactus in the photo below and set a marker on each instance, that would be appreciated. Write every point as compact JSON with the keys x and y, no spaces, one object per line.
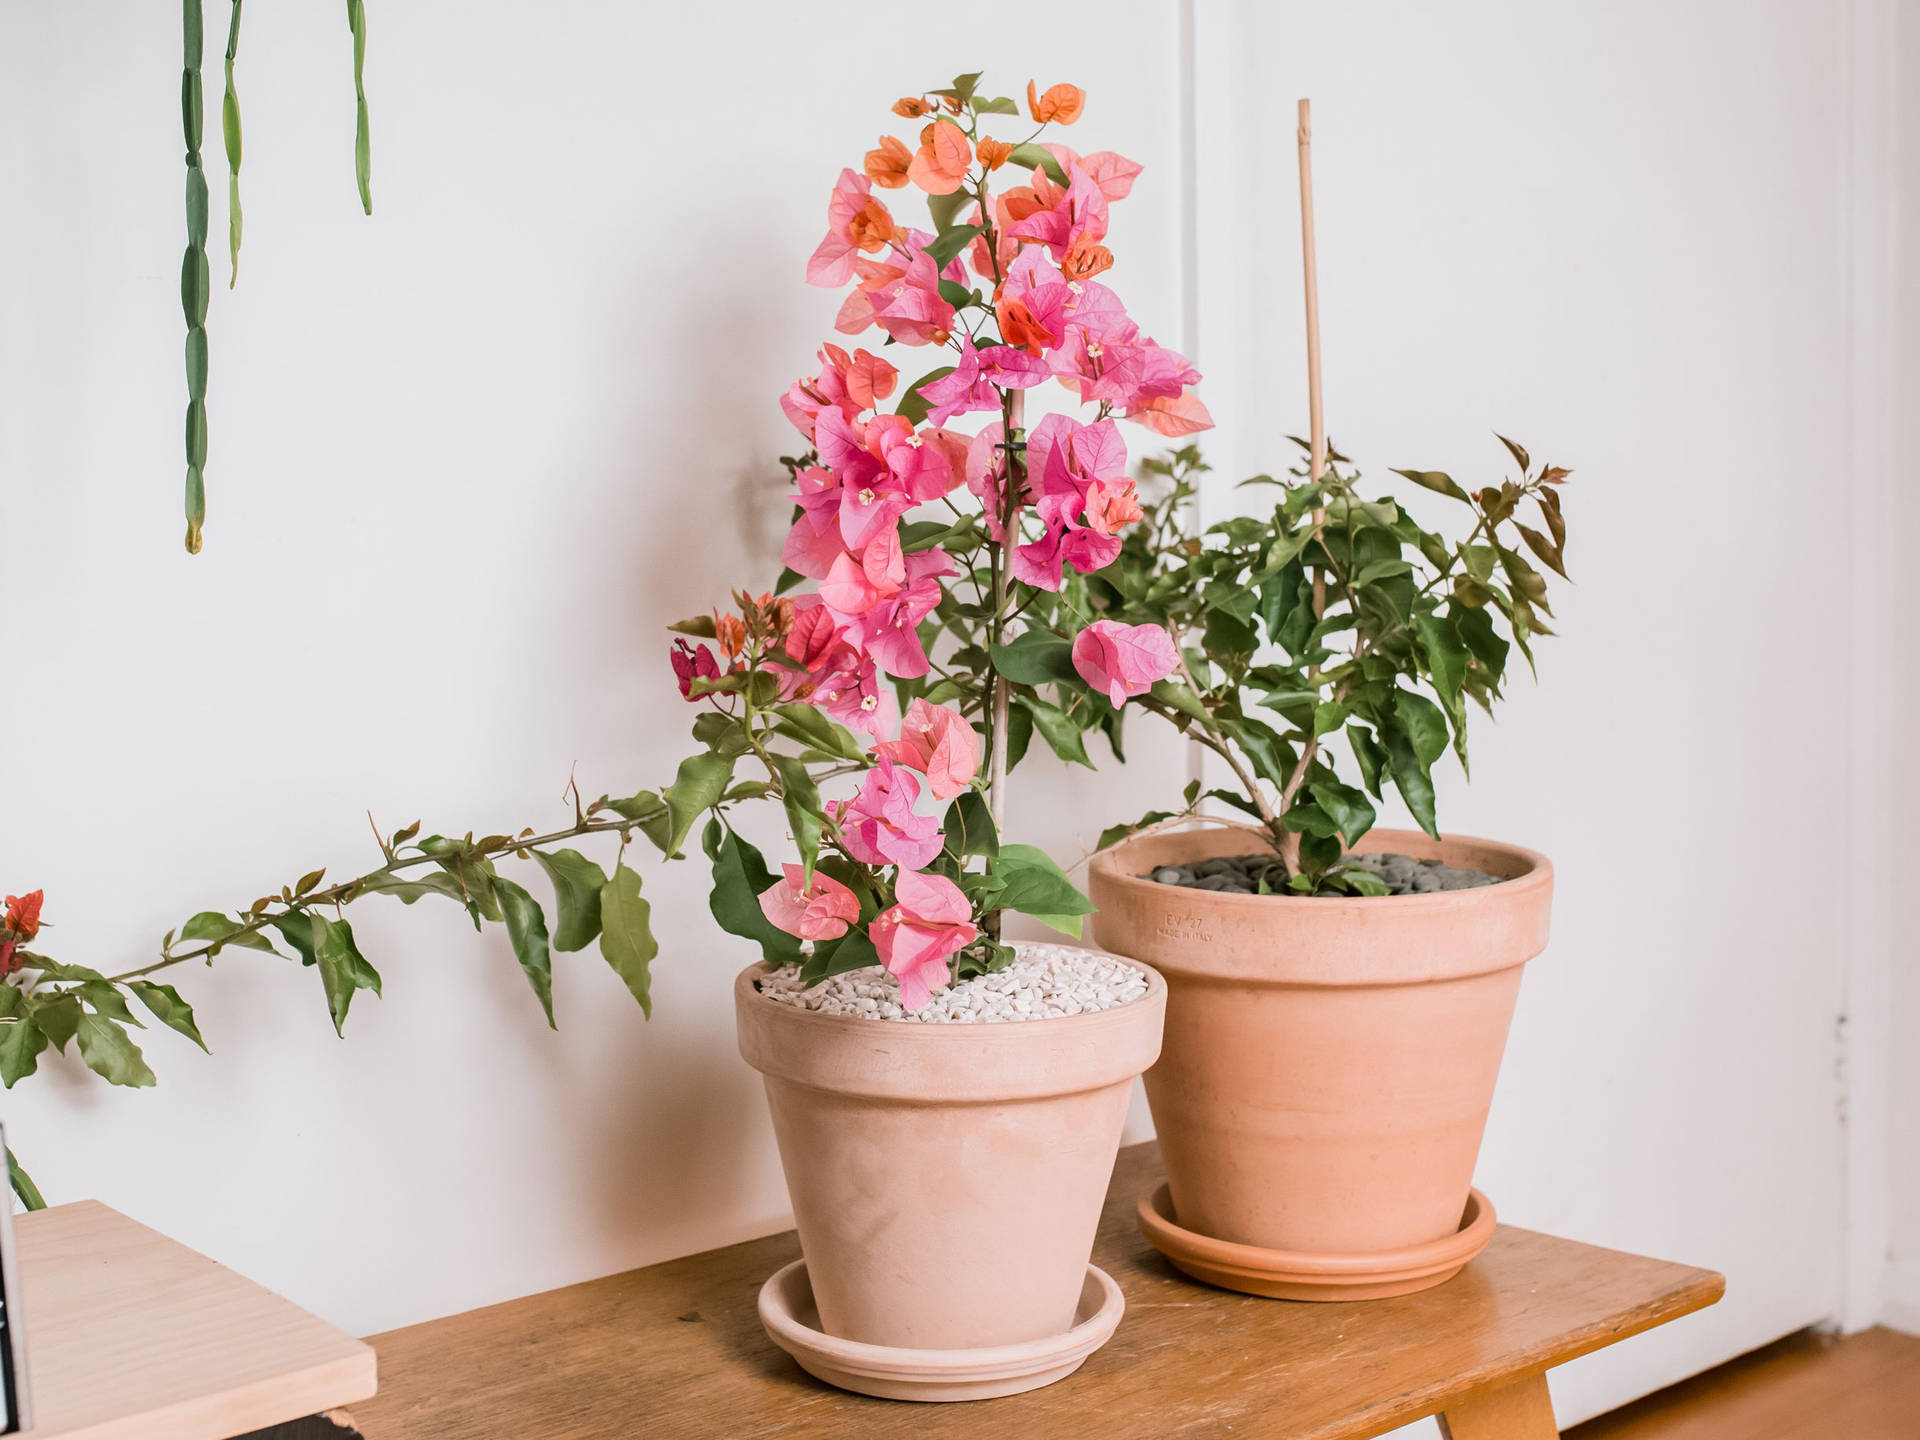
{"x":194,"y":274}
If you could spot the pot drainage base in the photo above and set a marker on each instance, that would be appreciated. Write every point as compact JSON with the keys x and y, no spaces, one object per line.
{"x":1284,"y":1275}
{"x":895,"y":1373}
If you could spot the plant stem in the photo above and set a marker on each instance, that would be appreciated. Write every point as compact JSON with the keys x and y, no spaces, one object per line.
{"x":350,"y":890}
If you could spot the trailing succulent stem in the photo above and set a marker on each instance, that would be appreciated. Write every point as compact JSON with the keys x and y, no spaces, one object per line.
{"x":194,"y":273}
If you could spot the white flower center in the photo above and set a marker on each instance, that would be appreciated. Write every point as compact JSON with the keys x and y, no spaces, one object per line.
{"x":866,"y":496}
{"x":1093,"y":350}
{"x":869,"y":702}
{"x":915,"y":441}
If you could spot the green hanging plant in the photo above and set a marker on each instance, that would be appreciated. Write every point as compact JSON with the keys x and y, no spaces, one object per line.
{"x":194,"y":273}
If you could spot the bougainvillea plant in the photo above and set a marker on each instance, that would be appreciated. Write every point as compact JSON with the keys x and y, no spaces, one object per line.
{"x":1336,"y":619}
{"x":944,"y":579}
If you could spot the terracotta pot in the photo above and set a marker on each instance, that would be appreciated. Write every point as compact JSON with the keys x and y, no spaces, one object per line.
{"x":1328,"y":1063}
{"x":947,"y":1179}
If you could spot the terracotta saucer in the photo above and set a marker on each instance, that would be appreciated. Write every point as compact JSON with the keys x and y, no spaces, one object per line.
{"x":1283,"y":1275}
{"x":894,"y":1373}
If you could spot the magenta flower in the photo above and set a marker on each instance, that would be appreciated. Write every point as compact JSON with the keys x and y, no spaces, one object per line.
{"x":1076,"y":213}
{"x":691,"y":662}
{"x":1040,"y":563}
{"x":879,"y":826}
{"x":1114,"y":174}
{"x":1123,"y":660}
{"x":822,"y":911}
{"x":937,"y":741}
{"x":882,"y":595}
{"x":971,"y":385}
{"x":931,"y":922}
{"x":901,"y":296}
{"x":856,"y":221}
{"x":848,"y":383}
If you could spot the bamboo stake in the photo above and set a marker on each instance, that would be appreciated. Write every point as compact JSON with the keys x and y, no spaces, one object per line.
{"x":1317,"y":464}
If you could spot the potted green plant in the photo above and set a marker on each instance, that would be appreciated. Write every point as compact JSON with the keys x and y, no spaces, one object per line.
{"x":1339,"y":995}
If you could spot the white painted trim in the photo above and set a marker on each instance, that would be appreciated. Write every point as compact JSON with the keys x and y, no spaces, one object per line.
{"x":1861,"y":1069}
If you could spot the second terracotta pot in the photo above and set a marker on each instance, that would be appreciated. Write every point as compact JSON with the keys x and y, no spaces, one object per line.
{"x":1328,"y":1063}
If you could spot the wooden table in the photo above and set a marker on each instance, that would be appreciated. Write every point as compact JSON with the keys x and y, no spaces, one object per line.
{"x":676,"y":1350}
{"x":132,"y":1336}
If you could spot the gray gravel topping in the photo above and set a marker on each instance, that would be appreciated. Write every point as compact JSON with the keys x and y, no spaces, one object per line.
{"x":1044,"y":982}
{"x":1241,"y":874}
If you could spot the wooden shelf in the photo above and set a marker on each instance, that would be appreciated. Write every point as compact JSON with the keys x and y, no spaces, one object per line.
{"x":676,"y":1350}
{"x":131,"y":1336}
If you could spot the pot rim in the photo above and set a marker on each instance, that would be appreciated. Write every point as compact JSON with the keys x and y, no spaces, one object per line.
{"x":1052,"y":1025}
{"x":944,"y":1064}
{"x":1538,"y":875}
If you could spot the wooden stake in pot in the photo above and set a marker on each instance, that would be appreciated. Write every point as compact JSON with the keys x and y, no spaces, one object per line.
{"x":1317,"y":464}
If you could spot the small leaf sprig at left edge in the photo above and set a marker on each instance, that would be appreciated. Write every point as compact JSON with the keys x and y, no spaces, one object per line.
{"x":1004,"y":285}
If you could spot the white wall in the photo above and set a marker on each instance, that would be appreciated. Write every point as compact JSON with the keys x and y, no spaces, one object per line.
{"x":1618,"y":234}
{"x":469,"y":456}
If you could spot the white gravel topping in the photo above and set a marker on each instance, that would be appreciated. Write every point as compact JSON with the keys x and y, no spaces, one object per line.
{"x":1044,"y":982}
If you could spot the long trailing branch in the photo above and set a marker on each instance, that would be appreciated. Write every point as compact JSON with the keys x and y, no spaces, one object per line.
{"x":351,"y":890}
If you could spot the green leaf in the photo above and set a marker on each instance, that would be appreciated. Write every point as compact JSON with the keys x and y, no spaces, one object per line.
{"x":1363,"y":882}
{"x":1058,"y":728}
{"x":913,"y":404}
{"x":626,"y":935}
{"x":1036,"y":657}
{"x":1032,"y":156}
{"x":812,"y":726}
{"x":1347,"y":807}
{"x":1518,"y":452}
{"x":740,"y":877}
{"x":343,"y":969}
{"x":212,"y":925}
{"x":969,"y":826}
{"x":23,"y":1186}
{"x":999,"y":105}
{"x":705,"y":627}
{"x":945,"y":209}
{"x":1424,"y":724}
{"x":577,"y":883}
{"x":700,"y":781}
{"x":956,"y":294}
{"x":1446,"y":654}
{"x":1178,"y":695}
{"x":1412,"y":778}
{"x":852,"y":951}
{"x":111,"y":1054}
{"x":1019,"y":735}
{"x":58,"y":1018}
{"x":1367,"y":753}
{"x":1436,"y":481}
{"x":167,"y":1006}
{"x":1032,"y":884}
{"x":1327,"y":716}
{"x":802,"y":800}
{"x":21,"y":1041}
{"x":105,"y":999}
{"x":527,"y":929}
{"x":949,"y":243}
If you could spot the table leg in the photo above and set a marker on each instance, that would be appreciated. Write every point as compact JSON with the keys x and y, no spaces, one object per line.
{"x":1516,"y":1410}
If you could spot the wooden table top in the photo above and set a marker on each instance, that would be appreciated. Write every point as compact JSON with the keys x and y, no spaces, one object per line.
{"x":132,"y":1336}
{"x":676,"y":1350}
